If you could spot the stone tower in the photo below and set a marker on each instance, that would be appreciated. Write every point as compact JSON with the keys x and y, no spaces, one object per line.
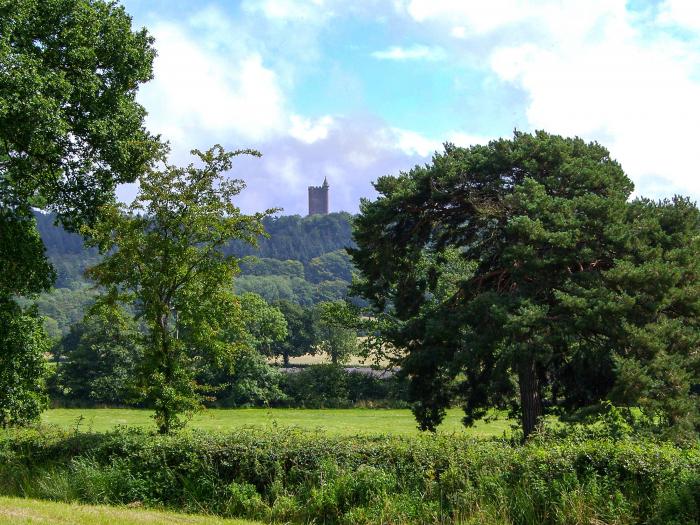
{"x":318,"y":199}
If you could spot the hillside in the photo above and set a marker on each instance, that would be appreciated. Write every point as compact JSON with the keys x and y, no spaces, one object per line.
{"x":303,"y":260}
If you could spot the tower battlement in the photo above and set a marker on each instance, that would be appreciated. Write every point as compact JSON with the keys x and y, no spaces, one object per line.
{"x":318,"y":199}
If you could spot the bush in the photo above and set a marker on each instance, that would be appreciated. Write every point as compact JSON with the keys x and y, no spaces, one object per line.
{"x":331,"y":386}
{"x":252,"y":383}
{"x":318,"y":386}
{"x":292,"y":476}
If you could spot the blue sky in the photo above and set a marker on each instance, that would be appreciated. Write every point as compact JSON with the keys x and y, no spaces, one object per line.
{"x":355,"y":90}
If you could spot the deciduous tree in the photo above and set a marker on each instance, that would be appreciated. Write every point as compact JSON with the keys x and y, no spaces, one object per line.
{"x":164,"y":255}
{"x":335,"y":330}
{"x":300,"y":331}
{"x":70,"y":126}
{"x":70,"y":131}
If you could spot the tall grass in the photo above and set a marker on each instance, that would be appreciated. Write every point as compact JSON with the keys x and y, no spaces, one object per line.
{"x":291,"y":476}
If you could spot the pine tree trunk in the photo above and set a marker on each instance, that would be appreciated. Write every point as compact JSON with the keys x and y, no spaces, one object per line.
{"x":530,"y":398}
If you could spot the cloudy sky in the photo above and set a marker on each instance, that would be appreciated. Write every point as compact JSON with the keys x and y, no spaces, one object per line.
{"x":352,"y":90}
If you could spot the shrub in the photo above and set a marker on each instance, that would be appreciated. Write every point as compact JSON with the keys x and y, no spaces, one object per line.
{"x":332,"y":386}
{"x":318,"y":386}
{"x":291,"y":476}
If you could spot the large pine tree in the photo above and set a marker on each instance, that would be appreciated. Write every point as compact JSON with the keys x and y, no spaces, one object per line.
{"x":509,"y":275}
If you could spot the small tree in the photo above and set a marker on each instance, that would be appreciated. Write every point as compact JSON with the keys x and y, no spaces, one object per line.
{"x":300,"y":331}
{"x":263,"y":324}
{"x":335,"y":330}
{"x":164,"y":256}
{"x":100,"y":356}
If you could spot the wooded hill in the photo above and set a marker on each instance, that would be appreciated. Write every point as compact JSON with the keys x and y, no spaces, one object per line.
{"x":303,"y":260}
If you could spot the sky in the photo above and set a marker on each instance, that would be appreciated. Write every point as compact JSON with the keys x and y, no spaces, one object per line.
{"x":354,"y":90}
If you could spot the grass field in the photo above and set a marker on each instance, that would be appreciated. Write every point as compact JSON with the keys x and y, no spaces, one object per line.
{"x":350,"y":421}
{"x":24,"y":511}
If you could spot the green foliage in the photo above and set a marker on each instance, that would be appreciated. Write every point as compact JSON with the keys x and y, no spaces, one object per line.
{"x":329,"y":291}
{"x":265,"y":325}
{"x":70,"y":131}
{"x":275,"y":288}
{"x":658,"y":366}
{"x":98,"y":359}
{"x":275,"y":280}
{"x":335,"y":331}
{"x":65,"y":306}
{"x":516,"y":273}
{"x":24,"y":269}
{"x":70,"y":127}
{"x":331,"y":266}
{"x":23,"y":343}
{"x":296,"y":477}
{"x":331,"y":386}
{"x":264,"y":266}
{"x":318,"y":386}
{"x":252,"y":383}
{"x":292,"y":237}
{"x":300,"y":332}
{"x":164,"y":255}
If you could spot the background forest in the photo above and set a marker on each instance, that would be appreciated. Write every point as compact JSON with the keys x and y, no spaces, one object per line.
{"x":302,"y":261}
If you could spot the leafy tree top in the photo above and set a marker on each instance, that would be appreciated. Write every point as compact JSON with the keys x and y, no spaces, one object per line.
{"x":70,"y":127}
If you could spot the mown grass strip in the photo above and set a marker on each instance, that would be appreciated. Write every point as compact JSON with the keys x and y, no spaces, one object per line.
{"x":19,"y":511}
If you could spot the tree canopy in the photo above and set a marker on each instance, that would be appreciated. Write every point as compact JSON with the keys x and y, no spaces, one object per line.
{"x":70,"y":126}
{"x":164,"y":255}
{"x":499,"y":270}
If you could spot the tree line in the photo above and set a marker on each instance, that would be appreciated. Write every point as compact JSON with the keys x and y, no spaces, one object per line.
{"x":324,"y":277}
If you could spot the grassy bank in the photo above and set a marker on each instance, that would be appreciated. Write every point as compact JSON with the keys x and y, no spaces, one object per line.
{"x":299,"y":477}
{"x":350,"y":421}
{"x":19,"y":511}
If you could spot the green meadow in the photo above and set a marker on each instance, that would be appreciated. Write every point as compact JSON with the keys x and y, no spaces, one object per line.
{"x":349,"y":421}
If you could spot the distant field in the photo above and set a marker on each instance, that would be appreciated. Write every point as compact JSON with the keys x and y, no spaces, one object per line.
{"x":24,"y":511}
{"x":349,"y":421}
{"x":322,"y":358}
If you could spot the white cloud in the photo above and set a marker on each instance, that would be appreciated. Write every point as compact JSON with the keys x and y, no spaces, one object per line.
{"x":683,"y":13}
{"x":222,"y":93}
{"x":459,"y":32}
{"x":414,"y":52}
{"x":476,"y":16}
{"x":588,"y":69}
{"x":465,"y":140}
{"x":309,"y":131}
{"x":287,"y":169}
{"x":414,"y":143}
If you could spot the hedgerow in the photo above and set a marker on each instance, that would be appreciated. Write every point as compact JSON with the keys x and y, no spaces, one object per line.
{"x":287,"y":475}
